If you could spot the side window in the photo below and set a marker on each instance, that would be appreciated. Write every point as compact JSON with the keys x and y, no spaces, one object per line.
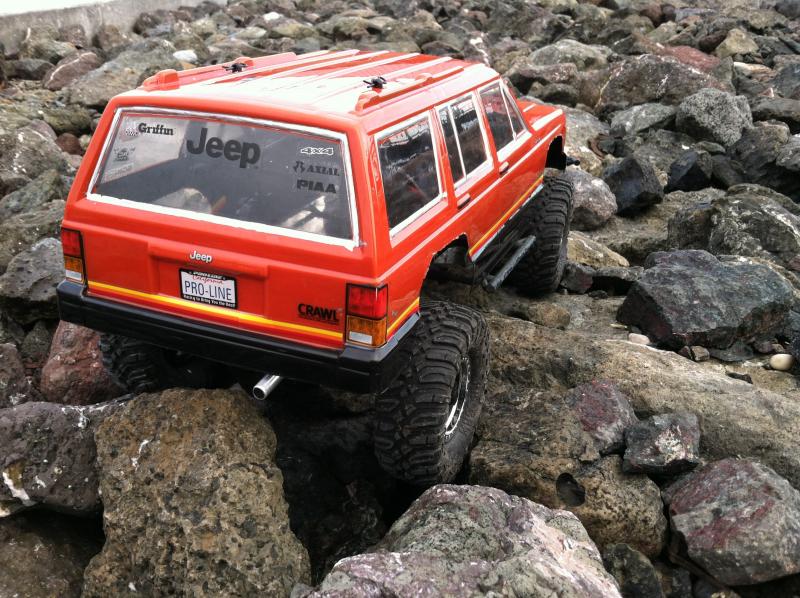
{"x":513,"y":109}
{"x":408,"y":170}
{"x":470,"y":136}
{"x":453,"y":155}
{"x":497,"y":114}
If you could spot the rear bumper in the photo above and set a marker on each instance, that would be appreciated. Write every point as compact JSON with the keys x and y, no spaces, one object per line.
{"x":353,"y":368}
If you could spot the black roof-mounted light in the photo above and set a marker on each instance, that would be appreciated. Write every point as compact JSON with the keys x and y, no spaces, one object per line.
{"x":375,"y":82}
{"x":236,"y":67}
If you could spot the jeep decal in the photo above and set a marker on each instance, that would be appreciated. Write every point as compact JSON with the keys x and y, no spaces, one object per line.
{"x":233,"y":150}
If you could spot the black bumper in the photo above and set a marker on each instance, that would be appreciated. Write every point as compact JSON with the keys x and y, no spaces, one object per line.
{"x":353,"y":368}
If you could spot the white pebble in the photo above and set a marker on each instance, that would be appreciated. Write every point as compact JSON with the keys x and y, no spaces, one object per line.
{"x":639,"y":339}
{"x":781,"y":362}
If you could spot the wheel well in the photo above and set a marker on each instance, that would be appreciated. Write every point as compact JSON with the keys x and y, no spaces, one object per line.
{"x":556,"y":158}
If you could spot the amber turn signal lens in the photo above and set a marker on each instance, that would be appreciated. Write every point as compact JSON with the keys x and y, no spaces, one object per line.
{"x":73,"y":268}
{"x":364,"y":331}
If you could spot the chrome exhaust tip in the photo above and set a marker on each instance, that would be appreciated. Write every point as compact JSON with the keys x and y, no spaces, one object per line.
{"x":265,"y":386}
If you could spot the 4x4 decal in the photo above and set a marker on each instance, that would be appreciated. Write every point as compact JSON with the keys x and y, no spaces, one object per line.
{"x":317,"y":151}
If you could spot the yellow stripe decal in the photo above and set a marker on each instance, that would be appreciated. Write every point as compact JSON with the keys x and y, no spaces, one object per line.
{"x":219,"y":311}
{"x":402,"y":318}
{"x":505,"y":216}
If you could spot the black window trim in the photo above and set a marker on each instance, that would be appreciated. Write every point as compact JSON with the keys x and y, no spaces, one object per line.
{"x":382,"y":134}
{"x":478,"y":171}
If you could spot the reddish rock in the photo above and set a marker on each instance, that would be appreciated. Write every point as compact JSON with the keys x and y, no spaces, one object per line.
{"x":15,"y":386}
{"x":74,"y":372}
{"x":604,"y":413}
{"x":70,"y":68}
{"x":740,"y":521}
{"x":69,"y":143}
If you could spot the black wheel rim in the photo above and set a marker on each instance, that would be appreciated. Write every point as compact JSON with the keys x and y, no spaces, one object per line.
{"x":458,"y":397}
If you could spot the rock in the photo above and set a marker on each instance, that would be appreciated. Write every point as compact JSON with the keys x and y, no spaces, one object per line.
{"x":739,"y":519}
{"x":43,"y":44}
{"x":69,"y":144}
{"x":604,"y":413}
{"x":583,"y":129}
{"x":695,"y":353}
{"x":634,"y":183}
{"x":21,"y":231}
{"x":759,"y":152}
{"x":638,"y":119}
{"x":639,"y":339}
{"x":26,"y":153}
{"x":123,"y":73}
{"x":782,"y":109}
{"x":584,"y":57}
{"x":74,"y":372}
{"x":48,"y":457}
{"x":691,"y":298}
{"x":663,"y":444}
{"x":737,"y":43}
{"x":647,"y":78}
{"x":584,"y":250}
{"x":28,"y":288}
{"x":70,"y":68}
{"x":192,"y":499}
{"x":738,"y":418}
{"x":548,"y":314}
{"x":43,"y":555}
{"x":110,"y":39}
{"x":736,"y":353}
{"x":469,"y":540}
{"x":782,"y":362}
{"x":692,"y":171}
{"x":635,"y":575}
{"x":30,"y":68}
{"x":36,"y":344}
{"x":594,"y":203}
{"x":577,"y":278}
{"x":15,"y":386}
{"x":46,"y":187}
{"x":714,"y":115}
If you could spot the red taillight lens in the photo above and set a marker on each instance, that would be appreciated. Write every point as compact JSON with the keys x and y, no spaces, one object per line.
{"x":367,"y":302}
{"x":71,"y":242}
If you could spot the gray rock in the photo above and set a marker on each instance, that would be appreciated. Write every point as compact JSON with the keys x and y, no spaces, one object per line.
{"x":70,"y":68}
{"x":663,"y":444}
{"x":692,"y":171}
{"x":192,"y":499}
{"x":714,"y":115}
{"x":782,"y":109}
{"x":691,"y":298}
{"x":736,"y":44}
{"x":48,"y":457}
{"x":36,"y":344}
{"x":594,"y":203}
{"x":583,"y":56}
{"x":26,"y":153}
{"x":635,"y":575}
{"x":29,"y":68}
{"x":634,"y":183}
{"x":43,"y":44}
{"x":15,"y":386}
{"x":48,"y":186}
{"x":43,"y":554}
{"x":740,"y":521}
{"x":604,"y":413}
{"x":638,"y":119}
{"x":20,"y":232}
{"x":28,"y":287}
{"x":123,"y":73}
{"x":583,"y":129}
{"x":758,"y":152}
{"x":470,"y":541}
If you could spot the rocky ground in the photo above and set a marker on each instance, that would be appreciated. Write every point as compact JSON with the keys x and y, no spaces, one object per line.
{"x":640,"y":431}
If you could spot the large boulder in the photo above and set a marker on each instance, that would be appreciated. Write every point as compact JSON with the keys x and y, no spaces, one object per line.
{"x":583,"y":129}
{"x":714,"y":115}
{"x":19,"y":232}
{"x":594,"y":203}
{"x":47,"y":457}
{"x":26,"y":153}
{"x":470,"y":541}
{"x":70,"y":68}
{"x":48,"y":186}
{"x":74,"y":372}
{"x":783,"y":109}
{"x":121,"y":74}
{"x":28,"y":287}
{"x":768,"y":156}
{"x":192,"y":500}
{"x":43,"y":555}
{"x":634,"y":183}
{"x":739,"y":519}
{"x":690,"y":297}
{"x":638,"y":119}
{"x":583,"y":56}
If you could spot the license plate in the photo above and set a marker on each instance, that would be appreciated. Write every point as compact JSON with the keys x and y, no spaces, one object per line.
{"x":212,"y":289}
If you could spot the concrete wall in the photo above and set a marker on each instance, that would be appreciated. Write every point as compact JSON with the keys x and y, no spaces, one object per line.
{"x":122,"y":13}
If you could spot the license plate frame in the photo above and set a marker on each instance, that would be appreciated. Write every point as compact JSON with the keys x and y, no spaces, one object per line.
{"x":197,"y":286}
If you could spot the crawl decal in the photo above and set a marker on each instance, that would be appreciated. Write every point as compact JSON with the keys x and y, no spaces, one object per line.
{"x":320,"y":314}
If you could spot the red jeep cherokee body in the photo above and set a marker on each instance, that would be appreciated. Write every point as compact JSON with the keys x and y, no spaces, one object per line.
{"x":291,"y":290}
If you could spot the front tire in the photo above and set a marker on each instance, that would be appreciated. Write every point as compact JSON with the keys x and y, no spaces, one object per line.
{"x":541,"y":269}
{"x":426,"y":418}
{"x":140,"y":367}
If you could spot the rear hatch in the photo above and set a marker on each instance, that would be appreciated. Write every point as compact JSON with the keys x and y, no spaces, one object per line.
{"x":232,"y":220}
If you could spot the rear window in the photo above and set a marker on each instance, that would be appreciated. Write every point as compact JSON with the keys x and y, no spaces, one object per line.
{"x":257,"y":176}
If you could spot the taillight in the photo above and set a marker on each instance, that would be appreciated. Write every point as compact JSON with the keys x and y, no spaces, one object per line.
{"x":367,"y":308}
{"x":72,"y":246}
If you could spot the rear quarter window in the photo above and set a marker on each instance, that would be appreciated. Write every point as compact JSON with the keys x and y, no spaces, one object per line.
{"x":408,"y":171}
{"x":497,"y":115}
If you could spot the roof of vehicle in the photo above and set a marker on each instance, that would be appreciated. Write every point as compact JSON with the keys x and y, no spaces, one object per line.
{"x":326,"y":82}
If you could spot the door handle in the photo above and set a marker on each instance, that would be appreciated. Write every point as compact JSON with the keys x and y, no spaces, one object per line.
{"x":504,"y":167}
{"x":463,"y":200}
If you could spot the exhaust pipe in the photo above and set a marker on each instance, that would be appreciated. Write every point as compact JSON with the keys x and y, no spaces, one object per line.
{"x":265,"y":386}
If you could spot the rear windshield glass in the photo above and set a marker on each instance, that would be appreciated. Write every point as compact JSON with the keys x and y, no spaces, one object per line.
{"x":230,"y":170}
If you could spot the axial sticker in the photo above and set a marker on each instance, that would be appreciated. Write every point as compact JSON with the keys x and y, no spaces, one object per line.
{"x":300,"y":166}
{"x":316,"y":151}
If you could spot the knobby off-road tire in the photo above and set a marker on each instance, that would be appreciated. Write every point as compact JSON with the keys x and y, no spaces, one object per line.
{"x":426,"y":418}
{"x":140,"y":367}
{"x":541,"y":269}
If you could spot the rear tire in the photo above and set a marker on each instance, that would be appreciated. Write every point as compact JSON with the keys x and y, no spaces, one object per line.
{"x":426,"y":418}
{"x":140,"y":367}
{"x":541,"y":269}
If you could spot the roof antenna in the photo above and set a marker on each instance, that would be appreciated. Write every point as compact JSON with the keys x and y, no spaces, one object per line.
{"x":375,"y":82}
{"x":236,"y":67}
